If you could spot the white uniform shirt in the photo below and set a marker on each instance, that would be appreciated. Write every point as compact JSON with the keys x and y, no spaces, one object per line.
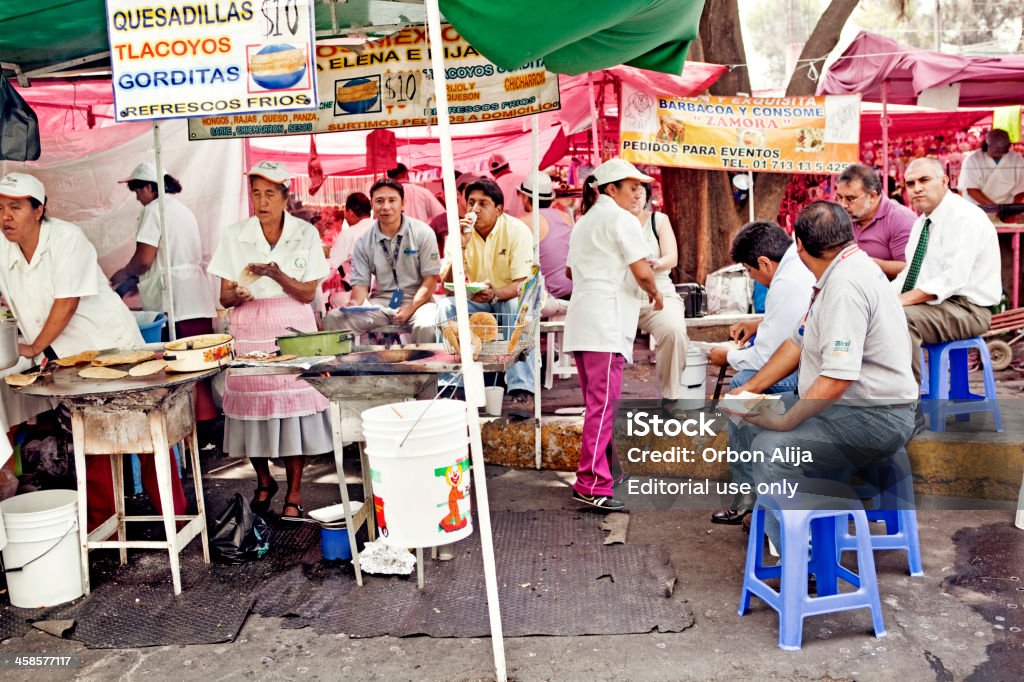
{"x":1000,"y":182}
{"x":344,"y":244}
{"x":64,"y":265}
{"x":193,"y":297}
{"x":784,"y":308}
{"x":420,"y":203}
{"x":962,"y":257}
{"x":298,"y":253}
{"x":605,"y":305}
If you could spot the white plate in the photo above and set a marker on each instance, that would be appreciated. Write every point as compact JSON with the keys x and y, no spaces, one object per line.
{"x":705,"y":347}
{"x":735,"y":404}
{"x":334,"y":513}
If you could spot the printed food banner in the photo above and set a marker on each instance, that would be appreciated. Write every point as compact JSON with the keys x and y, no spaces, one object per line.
{"x":776,"y":135}
{"x":178,"y":58}
{"x":389,"y":84}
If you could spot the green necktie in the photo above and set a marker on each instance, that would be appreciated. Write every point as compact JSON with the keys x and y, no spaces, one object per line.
{"x":915,"y":263}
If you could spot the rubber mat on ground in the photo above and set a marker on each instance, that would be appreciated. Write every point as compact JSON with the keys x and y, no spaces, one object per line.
{"x":554,"y":577}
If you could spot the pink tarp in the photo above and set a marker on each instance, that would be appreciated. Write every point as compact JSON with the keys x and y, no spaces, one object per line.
{"x":919,"y":122}
{"x":66,"y":109}
{"x":872,"y":60}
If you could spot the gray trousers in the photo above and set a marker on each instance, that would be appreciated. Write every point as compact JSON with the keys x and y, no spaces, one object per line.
{"x":954,"y":319}
{"x":841,"y":440}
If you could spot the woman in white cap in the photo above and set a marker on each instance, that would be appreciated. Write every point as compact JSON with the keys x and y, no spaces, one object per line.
{"x":55,"y":288}
{"x":280,"y":256}
{"x":666,"y":326}
{"x":194,"y":306}
{"x":611,"y":280}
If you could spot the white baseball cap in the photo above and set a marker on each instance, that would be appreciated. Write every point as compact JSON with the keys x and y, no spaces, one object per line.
{"x":22,"y":186}
{"x":272,"y":171}
{"x":545,"y":191}
{"x":145,"y":171}
{"x":614,"y":170}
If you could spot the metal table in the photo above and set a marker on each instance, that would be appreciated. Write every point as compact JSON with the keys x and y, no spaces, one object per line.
{"x":127,"y":416}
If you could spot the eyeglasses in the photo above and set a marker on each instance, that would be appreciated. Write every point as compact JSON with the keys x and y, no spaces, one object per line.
{"x":849,"y":198}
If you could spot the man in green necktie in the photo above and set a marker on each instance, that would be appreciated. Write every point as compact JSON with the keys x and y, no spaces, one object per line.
{"x":953,"y":268}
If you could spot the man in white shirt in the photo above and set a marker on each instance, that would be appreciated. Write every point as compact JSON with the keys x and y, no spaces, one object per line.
{"x":420,"y":202}
{"x":953,"y":267}
{"x":770,"y":257}
{"x":993,"y":174}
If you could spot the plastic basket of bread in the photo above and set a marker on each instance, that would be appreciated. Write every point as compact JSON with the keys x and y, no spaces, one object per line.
{"x":494,"y":335}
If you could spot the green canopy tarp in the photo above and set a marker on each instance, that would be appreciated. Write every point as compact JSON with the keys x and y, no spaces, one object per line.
{"x":575,"y":37}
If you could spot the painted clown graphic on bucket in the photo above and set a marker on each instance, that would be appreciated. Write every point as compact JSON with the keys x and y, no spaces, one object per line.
{"x":457,"y":477}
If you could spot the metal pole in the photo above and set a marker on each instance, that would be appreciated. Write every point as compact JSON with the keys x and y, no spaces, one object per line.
{"x":885,"y":138}
{"x":750,"y":195}
{"x":164,"y":253}
{"x":938,"y":25}
{"x":535,"y":214}
{"x":472,"y":371}
{"x":595,"y":151}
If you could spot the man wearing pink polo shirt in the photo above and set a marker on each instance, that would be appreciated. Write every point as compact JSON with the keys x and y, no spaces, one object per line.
{"x":881,"y":227}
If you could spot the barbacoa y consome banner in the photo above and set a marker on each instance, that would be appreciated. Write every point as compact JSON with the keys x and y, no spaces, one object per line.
{"x":178,"y":58}
{"x":777,"y":135}
{"x":389,"y":84}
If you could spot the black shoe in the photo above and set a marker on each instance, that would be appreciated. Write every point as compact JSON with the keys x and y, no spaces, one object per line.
{"x":729,"y":517}
{"x":601,"y":502}
{"x":520,"y":404}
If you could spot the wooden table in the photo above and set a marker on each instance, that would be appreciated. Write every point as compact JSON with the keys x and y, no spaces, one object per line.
{"x":128,"y":416}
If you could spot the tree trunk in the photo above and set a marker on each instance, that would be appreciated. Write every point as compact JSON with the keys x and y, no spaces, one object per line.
{"x":698,"y":202}
{"x":770,"y":188}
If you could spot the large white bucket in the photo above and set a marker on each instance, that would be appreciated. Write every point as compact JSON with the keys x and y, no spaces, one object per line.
{"x":693,"y":383}
{"x":420,"y":489}
{"x":42,"y":538}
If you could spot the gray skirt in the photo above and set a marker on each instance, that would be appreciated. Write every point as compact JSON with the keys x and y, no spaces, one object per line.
{"x":282,"y":437}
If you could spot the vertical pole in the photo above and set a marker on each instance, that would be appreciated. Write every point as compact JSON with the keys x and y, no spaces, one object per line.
{"x":473,"y":384}
{"x":535,"y":214}
{"x":938,"y":25}
{"x":164,"y":253}
{"x":750,"y":195}
{"x":595,"y":151}
{"x":885,"y":138}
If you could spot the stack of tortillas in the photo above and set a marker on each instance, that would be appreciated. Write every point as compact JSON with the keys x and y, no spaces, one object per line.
{"x":127,"y":358}
{"x":77,"y":359}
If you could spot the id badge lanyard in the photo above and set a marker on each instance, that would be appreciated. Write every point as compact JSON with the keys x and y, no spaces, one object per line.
{"x":393,"y":262}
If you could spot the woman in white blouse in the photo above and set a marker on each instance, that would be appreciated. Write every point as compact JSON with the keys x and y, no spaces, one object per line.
{"x":277,"y":416}
{"x":53,"y":284}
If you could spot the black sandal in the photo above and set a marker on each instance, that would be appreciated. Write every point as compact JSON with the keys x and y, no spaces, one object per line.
{"x":298,"y":517}
{"x":263,"y":506}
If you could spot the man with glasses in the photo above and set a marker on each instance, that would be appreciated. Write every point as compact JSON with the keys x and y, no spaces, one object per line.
{"x":881,"y":227}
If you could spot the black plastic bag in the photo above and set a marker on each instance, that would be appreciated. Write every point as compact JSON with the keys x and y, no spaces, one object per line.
{"x":19,"y":127}
{"x":239,"y":534}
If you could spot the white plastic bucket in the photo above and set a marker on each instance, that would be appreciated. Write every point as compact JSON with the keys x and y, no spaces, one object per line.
{"x":42,"y":538}
{"x":694,"y":380}
{"x":420,"y":489}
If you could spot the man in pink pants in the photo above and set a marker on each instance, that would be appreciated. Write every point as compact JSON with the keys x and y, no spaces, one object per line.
{"x":608,"y":266}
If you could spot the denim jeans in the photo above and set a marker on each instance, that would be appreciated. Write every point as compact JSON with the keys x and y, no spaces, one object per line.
{"x":520,"y":376}
{"x":740,"y":436}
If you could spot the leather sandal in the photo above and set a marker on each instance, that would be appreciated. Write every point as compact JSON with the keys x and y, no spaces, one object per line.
{"x":297,"y":507}
{"x":263,"y":506}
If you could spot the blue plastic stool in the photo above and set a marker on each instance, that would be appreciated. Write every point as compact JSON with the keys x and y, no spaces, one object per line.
{"x":804,"y":525}
{"x":892,"y":488}
{"x":948,"y":389}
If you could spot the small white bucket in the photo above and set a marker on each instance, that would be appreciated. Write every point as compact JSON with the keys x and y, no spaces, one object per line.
{"x":42,"y":539}
{"x":694,"y":380}
{"x":421,"y":489}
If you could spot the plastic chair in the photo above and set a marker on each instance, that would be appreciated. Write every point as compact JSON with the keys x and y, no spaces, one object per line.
{"x":809,"y":523}
{"x":948,"y":389}
{"x":891,"y":485}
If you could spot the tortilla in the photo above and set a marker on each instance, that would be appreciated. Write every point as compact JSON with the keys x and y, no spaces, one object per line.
{"x":19,"y":380}
{"x":127,"y":358}
{"x":147,"y":368}
{"x":77,"y":359}
{"x":515,"y":338}
{"x":102,"y":373}
{"x":263,"y":356}
{"x":450,"y":331}
{"x":247,"y":277}
{"x":484,"y":325}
